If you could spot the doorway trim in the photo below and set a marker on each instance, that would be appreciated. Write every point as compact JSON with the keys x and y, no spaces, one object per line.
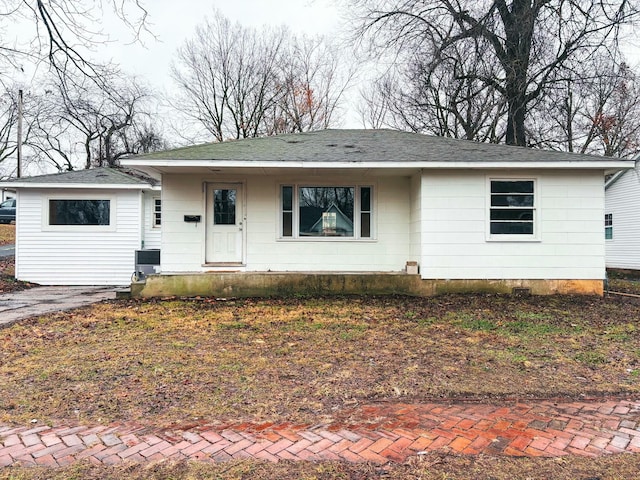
{"x":240,"y":222}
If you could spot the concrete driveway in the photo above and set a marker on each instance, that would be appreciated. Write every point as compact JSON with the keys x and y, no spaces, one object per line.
{"x":43,"y":300}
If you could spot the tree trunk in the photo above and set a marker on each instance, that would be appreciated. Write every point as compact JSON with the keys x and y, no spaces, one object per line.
{"x":516,"y":133}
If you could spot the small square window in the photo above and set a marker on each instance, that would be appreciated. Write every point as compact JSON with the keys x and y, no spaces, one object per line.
{"x":512,"y":208}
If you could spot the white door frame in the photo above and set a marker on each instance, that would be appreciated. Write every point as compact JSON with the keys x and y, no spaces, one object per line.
{"x":236,"y":254}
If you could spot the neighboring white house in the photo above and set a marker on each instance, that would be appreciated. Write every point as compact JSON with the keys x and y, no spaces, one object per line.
{"x":622,"y":220}
{"x":83,"y":227}
{"x":6,"y":194}
{"x":372,"y":200}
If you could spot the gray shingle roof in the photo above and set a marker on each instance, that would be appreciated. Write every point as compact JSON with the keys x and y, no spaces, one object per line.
{"x":359,"y":146}
{"x":94,"y":176}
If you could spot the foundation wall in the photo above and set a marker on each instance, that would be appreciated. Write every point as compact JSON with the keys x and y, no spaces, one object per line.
{"x":288,"y":284}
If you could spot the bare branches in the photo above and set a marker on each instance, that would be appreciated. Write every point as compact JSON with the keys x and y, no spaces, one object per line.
{"x":80,"y":120}
{"x":592,"y":112}
{"x":62,"y":33}
{"x":532,"y":40}
{"x":238,"y":82}
{"x":444,"y":99}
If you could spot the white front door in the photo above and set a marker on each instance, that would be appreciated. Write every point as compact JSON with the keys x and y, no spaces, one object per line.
{"x":224,"y":223}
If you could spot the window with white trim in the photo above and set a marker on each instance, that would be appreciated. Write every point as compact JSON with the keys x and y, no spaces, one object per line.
{"x":310,"y":211}
{"x":157,"y":212}
{"x":512,"y":208}
{"x":79,"y":212}
{"x":608,"y":226}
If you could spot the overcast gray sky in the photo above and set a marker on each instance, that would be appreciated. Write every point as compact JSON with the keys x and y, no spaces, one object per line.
{"x":173,"y":22}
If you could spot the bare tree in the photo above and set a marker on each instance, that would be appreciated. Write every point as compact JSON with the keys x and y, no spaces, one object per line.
{"x":83,"y":120}
{"x":532,"y":40}
{"x":444,"y":99}
{"x":61,"y":33}
{"x":238,"y":82}
{"x":312,"y":79}
{"x":596,"y":111}
{"x":226,"y":76}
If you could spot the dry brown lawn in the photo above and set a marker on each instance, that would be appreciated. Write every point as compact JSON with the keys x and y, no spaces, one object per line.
{"x":7,"y":234}
{"x":310,"y":359}
{"x":8,"y":283}
{"x":162,"y":362}
{"x":624,"y":285}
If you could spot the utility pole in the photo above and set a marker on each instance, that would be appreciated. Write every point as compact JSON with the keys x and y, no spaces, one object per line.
{"x":19,"y":166}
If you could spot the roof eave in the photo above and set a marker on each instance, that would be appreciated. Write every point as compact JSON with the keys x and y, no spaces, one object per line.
{"x":83,"y":186}
{"x":613,"y":165}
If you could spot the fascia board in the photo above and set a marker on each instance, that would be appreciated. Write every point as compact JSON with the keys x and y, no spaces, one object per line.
{"x":581,"y":165}
{"x":79,"y":186}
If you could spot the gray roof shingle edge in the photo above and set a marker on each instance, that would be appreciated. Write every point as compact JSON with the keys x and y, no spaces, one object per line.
{"x":360,"y":146}
{"x":93,"y":176}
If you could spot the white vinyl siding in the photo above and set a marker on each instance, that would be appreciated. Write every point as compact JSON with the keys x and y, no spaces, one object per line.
{"x":415,"y":227}
{"x":623,"y":203}
{"x":570,"y":245}
{"x":76,"y":256}
{"x":152,"y":233}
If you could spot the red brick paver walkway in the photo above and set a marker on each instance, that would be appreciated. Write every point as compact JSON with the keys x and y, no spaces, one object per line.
{"x":388,"y":432}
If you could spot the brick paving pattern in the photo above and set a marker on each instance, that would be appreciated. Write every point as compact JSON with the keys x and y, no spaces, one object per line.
{"x":391,"y":433}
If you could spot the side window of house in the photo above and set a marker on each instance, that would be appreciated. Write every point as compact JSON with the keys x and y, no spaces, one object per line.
{"x":79,"y":212}
{"x":321,"y":211}
{"x":157,"y":212}
{"x":513,"y":208}
{"x":608,"y":226}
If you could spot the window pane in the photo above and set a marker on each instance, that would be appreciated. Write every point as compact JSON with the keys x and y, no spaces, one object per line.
{"x":79,"y":212}
{"x":287,"y":224}
{"x":326,"y":211}
{"x":157,"y":212}
{"x":287,"y":198}
{"x":224,"y":207}
{"x":507,"y":186}
{"x":365,"y":225}
{"x":512,"y":211}
{"x":511,"y":214}
{"x":512,"y":200}
{"x":365,"y":199}
{"x":512,"y":228}
{"x":608,"y":233}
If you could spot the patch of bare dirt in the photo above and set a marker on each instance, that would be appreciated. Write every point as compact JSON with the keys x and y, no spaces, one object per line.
{"x":8,"y":282}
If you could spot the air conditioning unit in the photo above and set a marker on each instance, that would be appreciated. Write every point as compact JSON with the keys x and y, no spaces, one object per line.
{"x":147,"y":263}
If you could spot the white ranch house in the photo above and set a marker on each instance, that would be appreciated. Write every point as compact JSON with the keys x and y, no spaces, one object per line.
{"x":333,"y":209}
